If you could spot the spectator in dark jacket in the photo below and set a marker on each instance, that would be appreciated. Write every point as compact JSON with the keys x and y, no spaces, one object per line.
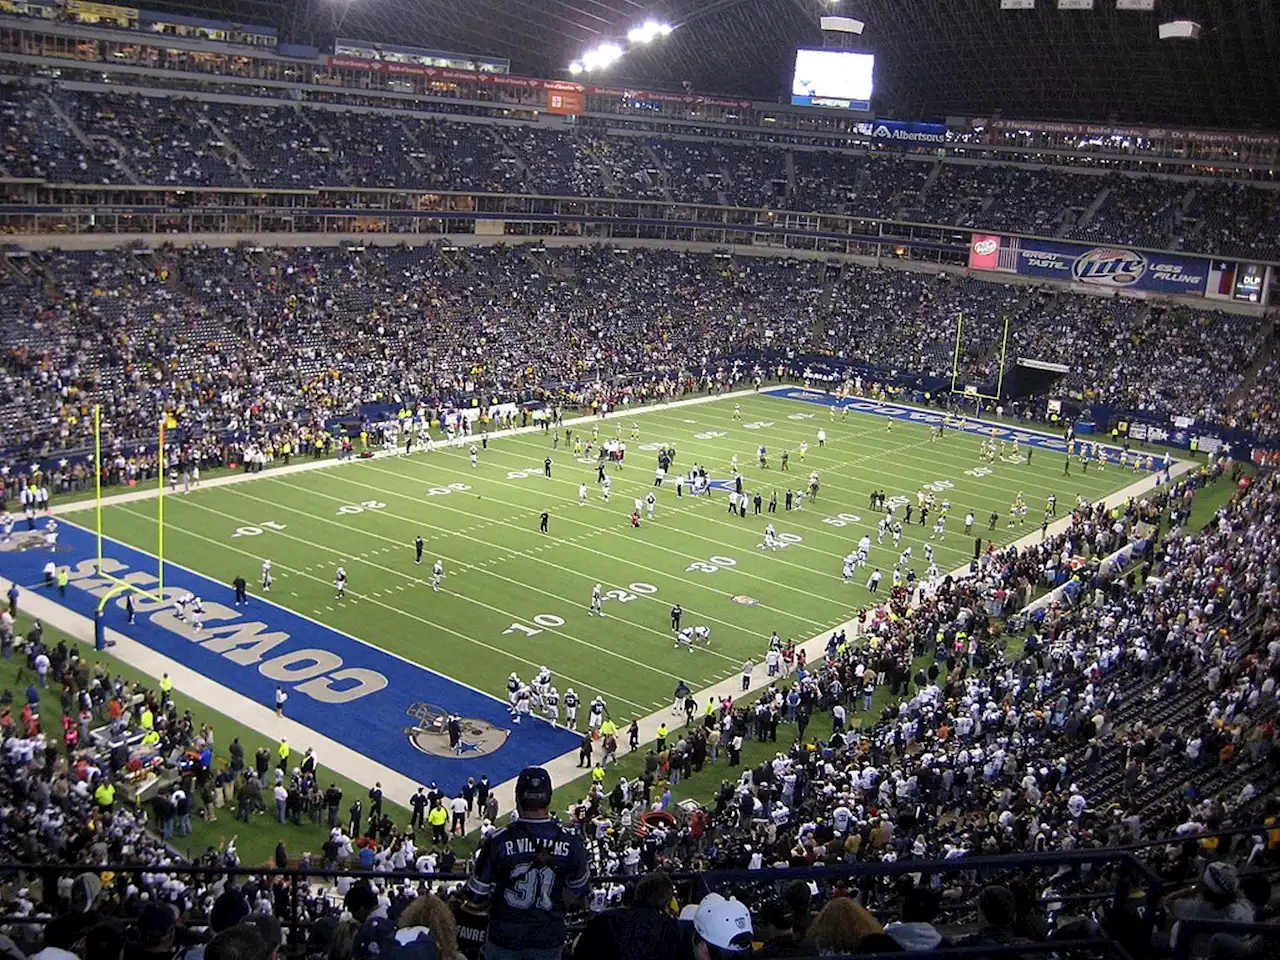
{"x":645,"y":929}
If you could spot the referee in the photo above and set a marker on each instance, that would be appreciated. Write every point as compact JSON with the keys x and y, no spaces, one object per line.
{"x":676,"y":613}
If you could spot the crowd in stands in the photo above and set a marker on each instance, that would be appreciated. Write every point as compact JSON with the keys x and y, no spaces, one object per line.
{"x":237,"y":341}
{"x":89,"y":136}
{"x":1139,"y":705}
{"x":1134,"y":356}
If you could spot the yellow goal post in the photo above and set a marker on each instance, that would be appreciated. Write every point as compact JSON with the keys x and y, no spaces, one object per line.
{"x":970,"y":390}
{"x":120,"y":585}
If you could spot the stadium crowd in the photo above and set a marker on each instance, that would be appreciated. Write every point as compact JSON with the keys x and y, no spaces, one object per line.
{"x":243,"y":345}
{"x":175,"y":138}
{"x":1135,"y":705}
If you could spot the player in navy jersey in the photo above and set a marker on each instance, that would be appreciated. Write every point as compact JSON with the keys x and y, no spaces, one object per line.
{"x":529,"y":872}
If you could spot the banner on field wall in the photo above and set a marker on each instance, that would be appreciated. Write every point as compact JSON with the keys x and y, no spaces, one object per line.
{"x":1108,"y":267}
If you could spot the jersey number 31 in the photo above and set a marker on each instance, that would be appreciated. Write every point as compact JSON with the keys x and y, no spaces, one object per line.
{"x":530,"y":887}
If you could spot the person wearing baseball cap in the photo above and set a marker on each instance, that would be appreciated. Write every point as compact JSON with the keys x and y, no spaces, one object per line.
{"x":529,"y":872}
{"x":721,"y":928}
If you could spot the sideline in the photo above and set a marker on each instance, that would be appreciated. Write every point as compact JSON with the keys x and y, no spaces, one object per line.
{"x":151,"y":493}
{"x":563,"y":769}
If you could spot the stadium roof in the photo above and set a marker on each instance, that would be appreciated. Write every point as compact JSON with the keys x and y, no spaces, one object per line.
{"x":935,"y":57}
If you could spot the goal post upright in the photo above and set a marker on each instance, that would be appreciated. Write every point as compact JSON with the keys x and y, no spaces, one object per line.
{"x":972,"y":391}
{"x":160,"y":460}
{"x":122,"y":585}
{"x":955,"y":359}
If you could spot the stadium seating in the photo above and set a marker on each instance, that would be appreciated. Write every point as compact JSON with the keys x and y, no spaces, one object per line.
{"x":1143,"y":710}
{"x":112,"y":137}
{"x":279,"y":318}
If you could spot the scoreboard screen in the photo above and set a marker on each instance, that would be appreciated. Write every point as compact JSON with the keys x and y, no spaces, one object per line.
{"x":833,"y":78}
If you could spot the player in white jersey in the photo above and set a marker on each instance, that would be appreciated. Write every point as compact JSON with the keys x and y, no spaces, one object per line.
{"x":932,"y":572}
{"x":849,"y":564}
{"x":340,"y":584}
{"x":904,"y":559}
{"x":864,"y":546}
{"x":6,"y":526}
{"x":473,"y":456}
{"x":542,"y":682}
{"x":685,"y":638}
{"x":770,"y":539}
{"x":551,"y":705}
{"x":570,"y":708}
{"x":928,"y":552}
{"x":939,"y":531}
{"x":881,"y":529}
{"x":437,"y":575}
{"x":513,"y":687}
{"x":180,"y":606}
{"x":651,"y":502}
{"x":524,"y":702}
{"x":51,"y":534}
{"x":597,"y":602}
{"x":605,"y":486}
{"x":582,"y":494}
{"x":266,"y":576}
{"x":702,"y":634}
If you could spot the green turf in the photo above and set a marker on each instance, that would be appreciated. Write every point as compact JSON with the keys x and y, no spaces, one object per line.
{"x":508,"y":587}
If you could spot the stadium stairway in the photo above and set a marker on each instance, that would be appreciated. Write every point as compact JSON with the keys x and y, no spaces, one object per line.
{"x":236,"y":159}
{"x":68,"y":121}
{"x":1251,"y":375}
{"x":659,"y":170}
{"x":789,"y":162}
{"x":107,"y":149}
{"x":1090,"y":211}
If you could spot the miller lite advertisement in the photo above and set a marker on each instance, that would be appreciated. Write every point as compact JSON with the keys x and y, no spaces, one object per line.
{"x":1106,"y":267}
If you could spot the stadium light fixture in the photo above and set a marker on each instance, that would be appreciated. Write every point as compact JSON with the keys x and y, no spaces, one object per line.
{"x":648,"y":31}
{"x":610,"y":52}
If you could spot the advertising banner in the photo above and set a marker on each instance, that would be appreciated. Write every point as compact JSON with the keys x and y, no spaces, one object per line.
{"x":984,"y":252}
{"x":566,"y":102}
{"x":899,"y":131}
{"x":1230,"y":137}
{"x":1110,"y":268}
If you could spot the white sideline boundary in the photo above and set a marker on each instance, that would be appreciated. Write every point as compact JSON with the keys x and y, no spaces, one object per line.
{"x":361,"y":769}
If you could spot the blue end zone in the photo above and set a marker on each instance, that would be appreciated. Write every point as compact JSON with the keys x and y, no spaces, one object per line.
{"x":977,"y":428}
{"x":381,"y":706}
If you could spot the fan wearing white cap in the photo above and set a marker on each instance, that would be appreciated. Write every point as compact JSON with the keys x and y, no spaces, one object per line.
{"x":721,"y":928}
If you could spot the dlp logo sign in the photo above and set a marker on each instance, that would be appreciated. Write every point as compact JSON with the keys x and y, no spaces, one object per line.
{"x":1106,"y":267}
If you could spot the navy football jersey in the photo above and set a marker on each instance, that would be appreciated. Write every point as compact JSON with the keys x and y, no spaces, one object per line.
{"x":524,"y":870}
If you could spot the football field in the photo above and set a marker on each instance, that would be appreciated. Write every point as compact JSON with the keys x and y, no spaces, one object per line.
{"x":514,"y":599}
